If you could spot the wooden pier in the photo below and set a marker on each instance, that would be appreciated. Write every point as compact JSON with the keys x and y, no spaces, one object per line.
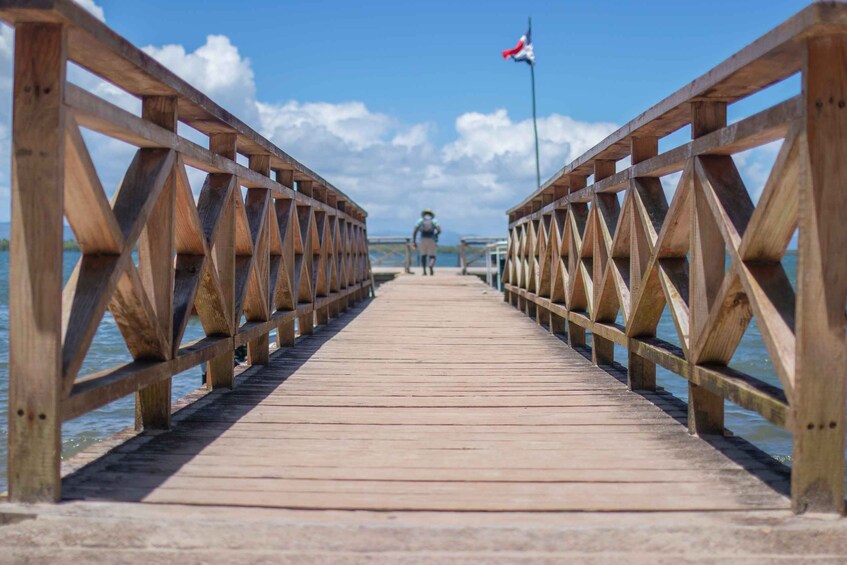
{"x":429,"y":420}
{"x":433,"y":398}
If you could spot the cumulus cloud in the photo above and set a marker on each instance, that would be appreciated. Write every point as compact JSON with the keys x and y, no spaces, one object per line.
{"x":91,"y":6}
{"x":218,"y":70}
{"x":393,"y":169}
{"x":349,"y":123}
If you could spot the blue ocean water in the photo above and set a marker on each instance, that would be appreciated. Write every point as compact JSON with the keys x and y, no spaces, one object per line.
{"x":108,"y":350}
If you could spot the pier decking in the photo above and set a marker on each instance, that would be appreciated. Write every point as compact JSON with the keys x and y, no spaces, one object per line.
{"x":434,"y":397}
{"x":431,"y":422}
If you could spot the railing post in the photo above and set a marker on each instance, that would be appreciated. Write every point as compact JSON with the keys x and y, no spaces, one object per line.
{"x":156,"y":268}
{"x":462,"y":259}
{"x":606,"y":209}
{"x":258,"y":349}
{"x":220,"y":370}
{"x":817,"y":477}
{"x":407,"y":264}
{"x":641,"y":373}
{"x":306,"y":322}
{"x":35,"y":273}
{"x":708,"y":257}
{"x":285,"y":210}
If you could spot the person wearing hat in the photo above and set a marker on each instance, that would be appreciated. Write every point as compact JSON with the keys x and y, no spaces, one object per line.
{"x":429,"y":230}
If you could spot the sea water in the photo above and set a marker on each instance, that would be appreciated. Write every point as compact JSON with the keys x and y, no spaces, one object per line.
{"x":108,"y":350}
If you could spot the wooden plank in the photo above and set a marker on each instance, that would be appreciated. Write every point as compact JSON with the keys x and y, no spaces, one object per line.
{"x":99,"y":115}
{"x":219,"y":372}
{"x":771,"y":124}
{"x":86,"y":206}
{"x":387,"y":411}
{"x":35,"y":274}
{"x":99,"y":389}
{"x":708,"y":257}
{"x":95,"y":47}
{"x":156,"y":269}
{"x":820,"y":385}
{"x":257,"y":306}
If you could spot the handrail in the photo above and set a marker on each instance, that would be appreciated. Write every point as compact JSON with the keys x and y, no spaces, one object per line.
{"x":291,"y":249}
{"x":495,"y":258}
{"x":583,"y":258}
{"x":383,"y":249}
{"x":773,"y":57}
{"x":472,"y":249}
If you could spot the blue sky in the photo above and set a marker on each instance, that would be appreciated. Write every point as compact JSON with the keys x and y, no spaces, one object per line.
{"x":409,"y":104}
{"x":597,"y":61}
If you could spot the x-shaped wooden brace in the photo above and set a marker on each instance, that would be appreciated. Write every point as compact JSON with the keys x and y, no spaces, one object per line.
{"x":107,"y":234}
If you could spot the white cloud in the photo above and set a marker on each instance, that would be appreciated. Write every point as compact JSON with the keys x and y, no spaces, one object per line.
{"x":217,"y":69}
{"x":92,"y":7}
{"x":351,"y":123}
{"x":393,"y":169}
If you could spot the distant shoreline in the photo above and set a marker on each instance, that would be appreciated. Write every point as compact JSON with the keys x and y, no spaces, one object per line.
{"x":71,"y":245}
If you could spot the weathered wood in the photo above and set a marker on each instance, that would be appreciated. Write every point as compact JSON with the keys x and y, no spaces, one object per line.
{"x":219,"y":371}
{"x":768,"y":125}
{"x":820,"y":385}
{"x":35,"y":274}
{"x":771,"y":58}
{"x":708,"y":257}
{"x":641,"y":372}
{"x":156,"y":268}
{"x":187,"y":252}
{"x":713,"y":258}
{"x":343,"y":414}
{"x":88,"y":211}
{"x":258,"y":306}
{"x":285,"y":334}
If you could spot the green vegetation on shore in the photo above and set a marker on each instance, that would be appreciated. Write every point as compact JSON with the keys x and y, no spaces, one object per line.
{"x":69,"y":245}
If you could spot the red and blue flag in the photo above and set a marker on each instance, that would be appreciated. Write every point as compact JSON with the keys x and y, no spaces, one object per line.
{"x":522,"y":52}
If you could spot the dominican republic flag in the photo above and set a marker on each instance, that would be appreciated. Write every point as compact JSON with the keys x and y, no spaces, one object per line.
{"x":523,"y":50}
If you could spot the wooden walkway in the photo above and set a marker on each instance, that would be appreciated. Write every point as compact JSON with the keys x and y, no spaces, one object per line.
{"x":455,"y":428}
{"x":434,"y":396}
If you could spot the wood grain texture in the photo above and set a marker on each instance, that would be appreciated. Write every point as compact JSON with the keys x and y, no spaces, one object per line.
{"x":216,"y":256}
{"x":156,"y":269}
{"x":433,"y":396}
{"x":714,"y":258}
{"x":820,"y":382}
{"x":35,"y":273}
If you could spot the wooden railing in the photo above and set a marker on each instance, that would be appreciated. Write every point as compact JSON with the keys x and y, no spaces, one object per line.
{"x":580,"y":255}
{"x":291,"y":247}
{"x":473,"y":250}
{"x":385,"y":250}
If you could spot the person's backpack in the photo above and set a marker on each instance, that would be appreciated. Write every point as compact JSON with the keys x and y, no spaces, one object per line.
{"x":428,"y":227}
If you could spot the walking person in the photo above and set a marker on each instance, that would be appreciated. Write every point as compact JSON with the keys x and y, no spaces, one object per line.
{"x":429,"y":230}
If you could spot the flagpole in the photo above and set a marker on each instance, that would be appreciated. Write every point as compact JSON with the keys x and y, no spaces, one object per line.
{"x":534,"y":120}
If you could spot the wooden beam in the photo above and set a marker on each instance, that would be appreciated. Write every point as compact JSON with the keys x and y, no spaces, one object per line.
{"x":220,"y":370}
{"x":258,"y":351}
{"x":768,"y":125}
{"x":708,"y":257}
{"x":641,"y":372}
{"x":817,"y":477}
{"x":35,"y":274}
{"x":156,"y":268}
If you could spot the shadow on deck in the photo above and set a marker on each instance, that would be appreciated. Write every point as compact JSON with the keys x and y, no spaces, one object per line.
{"x":435,"y":396}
